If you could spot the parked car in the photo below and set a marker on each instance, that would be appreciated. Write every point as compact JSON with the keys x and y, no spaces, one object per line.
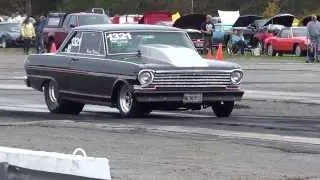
{"x":59,"y":25}
{"x":135,"y":68}
{"x":10,"y":35}
{"x":243,"y":24}
{"x":153,"y":17}
{"x":265,"y":28}
{"x":291,"y":40}
{"x":192,"y":24}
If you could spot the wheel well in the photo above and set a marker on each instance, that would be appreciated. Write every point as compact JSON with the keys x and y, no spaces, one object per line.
{"x":115,"y":91}
{"x":44,"y":83}
{"x":295,"y":45}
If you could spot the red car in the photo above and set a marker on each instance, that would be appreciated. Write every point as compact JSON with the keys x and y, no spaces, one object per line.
{"x":59,"y":25}
{"x":291,"y":40}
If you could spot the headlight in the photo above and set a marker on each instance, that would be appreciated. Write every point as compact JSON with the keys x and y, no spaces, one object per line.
{"x":145,"y":77}
{"x":236,"y":77}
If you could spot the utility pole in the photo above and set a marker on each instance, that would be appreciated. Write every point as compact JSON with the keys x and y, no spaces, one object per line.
{"x":28,"y":7}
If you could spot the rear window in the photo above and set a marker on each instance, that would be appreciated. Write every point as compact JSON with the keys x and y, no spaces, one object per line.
{"x":93,"y":19}
{"x":54,"y":21}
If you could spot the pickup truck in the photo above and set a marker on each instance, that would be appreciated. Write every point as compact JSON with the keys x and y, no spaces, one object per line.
{"x":58,"y":25}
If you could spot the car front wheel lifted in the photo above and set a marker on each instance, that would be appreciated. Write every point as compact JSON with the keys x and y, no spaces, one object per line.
{"x":223,"y":108}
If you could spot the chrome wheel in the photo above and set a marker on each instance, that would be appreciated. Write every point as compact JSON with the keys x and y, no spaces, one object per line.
{"x":297,"y":51}
{"x":52,"y":92}
{"x":125,"y":99}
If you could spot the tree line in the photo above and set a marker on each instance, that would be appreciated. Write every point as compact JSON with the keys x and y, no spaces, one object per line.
{"x":297,"y":7}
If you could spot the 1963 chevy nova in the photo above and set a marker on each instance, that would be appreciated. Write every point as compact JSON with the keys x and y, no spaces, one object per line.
{"x":135,"y":68}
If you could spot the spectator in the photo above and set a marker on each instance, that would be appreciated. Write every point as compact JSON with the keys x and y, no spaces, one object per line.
{"x":39,"y":37}
{"x":314,"y":35}
{"x":27,"y":33}
{"x":238,"y":42}
{"x":207,"y":29}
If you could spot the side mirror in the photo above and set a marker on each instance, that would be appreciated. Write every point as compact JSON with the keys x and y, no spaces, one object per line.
{"x":72,"y":26}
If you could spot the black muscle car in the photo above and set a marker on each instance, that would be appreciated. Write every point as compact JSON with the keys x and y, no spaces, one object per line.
{"x":135,"y":68}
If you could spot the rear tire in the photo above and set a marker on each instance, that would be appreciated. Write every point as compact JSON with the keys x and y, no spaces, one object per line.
{"x":56,"y":105}
{"x":223,"y":108}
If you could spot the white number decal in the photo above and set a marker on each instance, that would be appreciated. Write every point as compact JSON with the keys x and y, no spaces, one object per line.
{"x":119,"y":36}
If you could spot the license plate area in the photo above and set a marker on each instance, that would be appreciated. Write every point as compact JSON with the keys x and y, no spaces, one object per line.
{"x":192,"y":98}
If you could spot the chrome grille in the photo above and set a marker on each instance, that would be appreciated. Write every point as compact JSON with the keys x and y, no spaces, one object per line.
{"x":191,"y":79}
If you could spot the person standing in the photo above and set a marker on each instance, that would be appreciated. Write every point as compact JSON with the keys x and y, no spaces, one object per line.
{"x":207,"y":29}
{"x":39,"y":37}
{"x":27,"y":33}
{"x":314,"y":35}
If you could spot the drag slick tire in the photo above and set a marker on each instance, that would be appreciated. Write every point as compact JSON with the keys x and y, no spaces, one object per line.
{"x":57,"y":105}
{"x":223,"y":108}
{"x":128,"y":105}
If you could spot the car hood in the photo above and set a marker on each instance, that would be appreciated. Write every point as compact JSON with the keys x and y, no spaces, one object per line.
{"x":281,"y":19}
{"x":245,"y":21}
{"x":191,"y":21}
{"x":164,"y":57}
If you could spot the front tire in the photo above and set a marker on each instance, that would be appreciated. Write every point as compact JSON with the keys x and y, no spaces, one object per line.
{"x":298,"y":51}
{"x":223,"y":108}
{"x":56,"y":105}
{"x":128,"y":105}
{"x":271,"y":51}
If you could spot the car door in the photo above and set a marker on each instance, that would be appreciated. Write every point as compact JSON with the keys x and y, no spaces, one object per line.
{"x":284,"y":40}
{"x":68,"y":53}
{"x":91,"y":82}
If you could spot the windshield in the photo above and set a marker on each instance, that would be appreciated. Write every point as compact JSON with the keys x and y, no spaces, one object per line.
{"x":129,"y":42}
{"x":11,"y":27}
{"x":299,"y":32}
{"x":93,"y":19}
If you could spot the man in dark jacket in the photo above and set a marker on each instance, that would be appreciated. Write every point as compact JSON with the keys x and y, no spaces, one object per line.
{"x":207,"y":29}
{"x":39,"y":37}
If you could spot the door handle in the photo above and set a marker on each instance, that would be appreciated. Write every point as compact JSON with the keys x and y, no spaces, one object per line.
{"x":74,"y":59}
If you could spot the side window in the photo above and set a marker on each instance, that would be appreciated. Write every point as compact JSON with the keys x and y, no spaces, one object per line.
{"x":73,"y":21}
{"x":285,"y":33}
{"x":73,"y":44}
{"x":92,"y":44}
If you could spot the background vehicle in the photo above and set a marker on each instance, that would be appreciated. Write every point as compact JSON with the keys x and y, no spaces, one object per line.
{"x":10,"y":35}
{"x":243,"y":25}
{"x":60,"y":24}
{"x":197,"y":39}
{"x":289,"y":40}
{"x":192,"y":24}
{"x":153,"y":17}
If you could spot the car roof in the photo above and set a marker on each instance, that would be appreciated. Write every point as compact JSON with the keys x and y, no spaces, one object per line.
{"x":86,"y":13}
{"x":126,"y":27}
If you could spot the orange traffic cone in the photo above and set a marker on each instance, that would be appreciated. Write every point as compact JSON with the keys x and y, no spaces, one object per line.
{"x":53,"y":48}
{"x":219,"y":55}
{"x":209,"y":55}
